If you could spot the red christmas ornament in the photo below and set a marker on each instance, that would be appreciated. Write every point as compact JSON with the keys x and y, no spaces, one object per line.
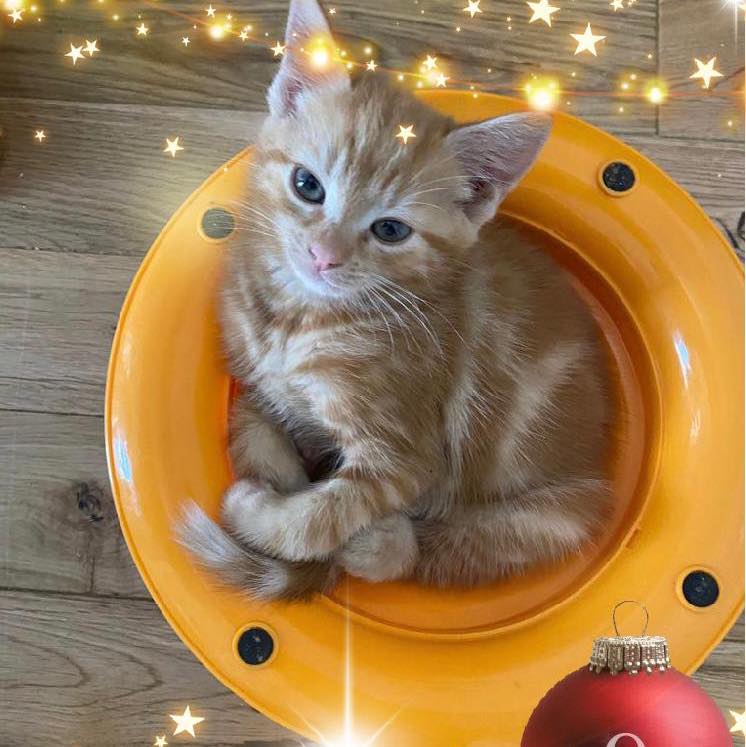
{"x":628,"y":697}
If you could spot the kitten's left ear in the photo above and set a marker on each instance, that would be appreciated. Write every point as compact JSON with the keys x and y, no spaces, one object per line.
{"x":494,"y":156}
{"x":306,"y":27}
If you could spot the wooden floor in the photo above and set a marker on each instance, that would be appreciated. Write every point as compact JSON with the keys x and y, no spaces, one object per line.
{"x":86,"y":658}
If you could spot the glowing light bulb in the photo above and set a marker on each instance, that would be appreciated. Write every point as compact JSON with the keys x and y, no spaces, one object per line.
{"x":320,"y":57}
{"x":217,"y":31}
{"x":542,"y":94}
{"x":656,"y":92}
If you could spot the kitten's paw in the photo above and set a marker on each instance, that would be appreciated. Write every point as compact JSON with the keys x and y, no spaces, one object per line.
{"x":250,"y":509}
{"x":384,"y":551}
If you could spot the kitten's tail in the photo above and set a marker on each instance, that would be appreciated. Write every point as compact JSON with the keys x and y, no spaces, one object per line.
{"x":238,"y":566}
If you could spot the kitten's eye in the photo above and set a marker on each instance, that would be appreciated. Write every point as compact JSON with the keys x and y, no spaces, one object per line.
{"x":391,"y":231}
{"x":307,"y":186}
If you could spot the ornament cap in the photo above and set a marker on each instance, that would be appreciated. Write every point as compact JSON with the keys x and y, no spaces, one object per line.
{"x":631,"y":654}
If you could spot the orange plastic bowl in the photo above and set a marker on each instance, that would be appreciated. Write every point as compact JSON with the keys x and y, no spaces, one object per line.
{"x":418,"y":666}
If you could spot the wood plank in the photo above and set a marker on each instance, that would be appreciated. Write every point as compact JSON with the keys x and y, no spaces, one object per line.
{"x":82,"y":670}
{"x":60,"y":526}
{"x":58,"y":314}
{"x":702,"y":29}
{"x":158,"y":69}
{"x":100,"y":182}
{"x":108,"y":672}
{"x":722,"y":674}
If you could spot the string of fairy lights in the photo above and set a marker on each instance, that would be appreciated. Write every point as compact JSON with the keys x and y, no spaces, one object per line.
{"x":541,"y":92}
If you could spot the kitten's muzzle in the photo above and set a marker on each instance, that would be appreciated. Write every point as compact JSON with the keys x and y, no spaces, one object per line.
{"x":324,"y":258}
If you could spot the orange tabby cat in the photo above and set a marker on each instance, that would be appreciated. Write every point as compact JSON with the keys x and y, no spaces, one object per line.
{"x":424,"y":392}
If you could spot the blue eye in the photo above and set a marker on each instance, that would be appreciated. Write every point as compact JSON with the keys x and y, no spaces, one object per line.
{"x":307,"y":186}
{"x":390,"y":231}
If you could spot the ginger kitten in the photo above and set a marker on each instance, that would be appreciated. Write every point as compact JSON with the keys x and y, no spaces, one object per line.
{"x":424,"y":394}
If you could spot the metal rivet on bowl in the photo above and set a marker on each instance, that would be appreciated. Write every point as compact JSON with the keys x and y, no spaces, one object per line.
{"x":700,"y":589}
{"x":618,"y":177}
{"x":255,"y":645}
{"x":217,"y":223}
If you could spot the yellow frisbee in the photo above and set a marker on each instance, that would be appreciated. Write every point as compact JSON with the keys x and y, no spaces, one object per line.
{"x":403,"y":666}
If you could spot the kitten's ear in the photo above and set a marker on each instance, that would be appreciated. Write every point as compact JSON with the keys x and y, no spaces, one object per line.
{"x":306,"y":26}
{"x":494,"y":155}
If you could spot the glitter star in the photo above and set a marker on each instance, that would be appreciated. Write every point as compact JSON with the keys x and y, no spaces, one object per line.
{"x":740,"y":722}
{"x":278,"y":50}
{"x":431,"y":62}
{"x":405,"y":133}
{"x":706,"y":72}
{"x":210,"y":11}
{"x":40,"y":135}
{"x":473,"y":7}
{"x":142,"y":30}
{"x":75,"y":52}
{"x":171,"y":147}
{"x":332,"y":11}
{"x":90,"y":47}
{"x":185,"y":41}
{"x":542,"y":11}
{"x":186,"y":721}
{"x":587,"y":41}
{"x":371,"y":65}
{"x":243,"y":35}
{"x":440,"y":81}
{"x":16,"y":15}
{"x":160,"y":742}
{"x":617,"y":5}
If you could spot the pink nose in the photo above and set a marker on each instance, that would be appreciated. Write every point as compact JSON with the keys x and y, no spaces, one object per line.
{"x":323,"y":257}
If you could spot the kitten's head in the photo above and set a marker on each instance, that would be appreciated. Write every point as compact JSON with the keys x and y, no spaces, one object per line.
{"x":341,"y":207}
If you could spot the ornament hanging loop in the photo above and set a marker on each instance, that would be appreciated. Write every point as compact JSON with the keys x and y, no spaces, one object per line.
{"x":641,"y":606}
{"x":631,"y":654}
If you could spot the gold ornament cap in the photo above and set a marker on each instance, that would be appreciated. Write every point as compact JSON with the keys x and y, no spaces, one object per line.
{"x":631,"y":654}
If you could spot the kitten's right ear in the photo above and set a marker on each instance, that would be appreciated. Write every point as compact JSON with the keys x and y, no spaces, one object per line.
{"x":495,"y":155}
{"x":307,"y":27}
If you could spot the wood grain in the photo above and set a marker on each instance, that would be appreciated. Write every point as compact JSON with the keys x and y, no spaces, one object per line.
{"x":107,"y":672}
{"x":59,"y":523}
{"x":158,"y":69}
{"x":100,"y":183}
{"x":58,"y":314}
{"x":702,"y":29}
{"x":100,"y":672}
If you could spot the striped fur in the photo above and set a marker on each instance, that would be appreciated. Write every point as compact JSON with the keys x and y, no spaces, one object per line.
{"x":434,"y":409}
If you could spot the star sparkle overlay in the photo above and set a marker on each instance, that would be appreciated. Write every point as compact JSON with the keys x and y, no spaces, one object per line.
{"x":185,"y":722}
{"x":587,"y":41}
{"x":740,"y":722}
{"x":706,"y":72}
{"x":172,"y":147}
{"x":542,"y":12}
{"x":473,"y":8}
{"x":405,"y":133}
{"x":75,"y":53}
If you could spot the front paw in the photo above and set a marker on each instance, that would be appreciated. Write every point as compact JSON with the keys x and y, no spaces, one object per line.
{"x":291,"y":527}
{"x":252,"y":510}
